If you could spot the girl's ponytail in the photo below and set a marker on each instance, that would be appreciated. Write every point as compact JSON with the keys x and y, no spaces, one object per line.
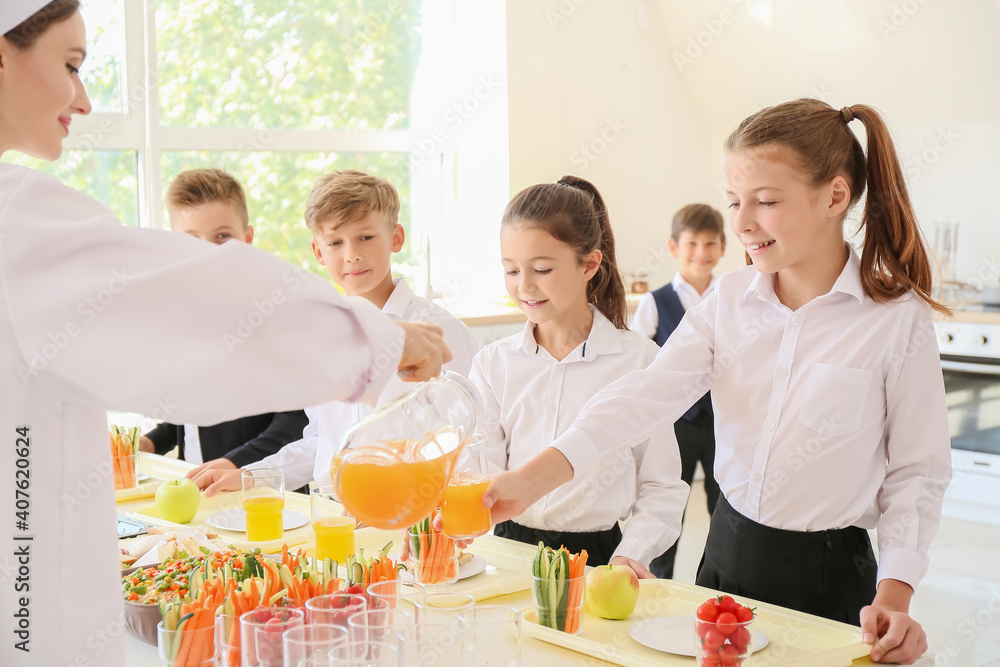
{"x":606,"y":289}
{"x":894,"y":259}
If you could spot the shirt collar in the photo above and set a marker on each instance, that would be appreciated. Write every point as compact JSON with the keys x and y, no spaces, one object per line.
{"x":603,"y":339}
{"x":400,"y":299}
{"x":679,"y":283}
{"x":848,"y":282}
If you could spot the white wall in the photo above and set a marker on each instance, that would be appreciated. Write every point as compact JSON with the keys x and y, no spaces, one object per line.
{"x":592,"y":92}
{"x":682,"y":74}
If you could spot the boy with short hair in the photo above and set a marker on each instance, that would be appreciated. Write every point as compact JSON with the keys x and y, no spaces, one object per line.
{"x":353,"y":217}
{"x":698,"y":241}
{"x":210,"y":204}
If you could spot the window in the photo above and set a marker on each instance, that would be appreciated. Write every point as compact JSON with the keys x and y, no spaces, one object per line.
{"x":279,"y":92}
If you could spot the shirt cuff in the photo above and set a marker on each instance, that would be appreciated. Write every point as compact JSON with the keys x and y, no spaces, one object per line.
{"x":579,"y":450}
{"x":635,"y":548}
{"x":906,"y":566}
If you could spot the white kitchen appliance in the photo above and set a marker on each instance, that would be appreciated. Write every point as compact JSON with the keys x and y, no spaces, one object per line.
{"x":970,"y":359}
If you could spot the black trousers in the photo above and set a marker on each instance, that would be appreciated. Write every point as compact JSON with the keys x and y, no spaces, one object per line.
{"x":600,"y":545}
{"x":696,"y":440}
{"x":828,"y":573}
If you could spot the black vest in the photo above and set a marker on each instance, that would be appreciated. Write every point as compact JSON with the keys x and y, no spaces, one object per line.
{"x":670,"y":312}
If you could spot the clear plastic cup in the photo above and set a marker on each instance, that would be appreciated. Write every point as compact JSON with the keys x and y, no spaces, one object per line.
{"x":310,"y":645}
{"x":185,"y":647}
{"x":364,"y":654}
{"x":493,"y":635}
{"x":261,"y":632}
{"x":725,"y":643}
{"x":556,"y":610}
{"x":335,"y":608}
{"x":435,"y":556}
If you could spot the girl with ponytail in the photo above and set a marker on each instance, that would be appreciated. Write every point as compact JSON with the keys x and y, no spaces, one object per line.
{"x":558,"y":254}
{"x":830,"y":414}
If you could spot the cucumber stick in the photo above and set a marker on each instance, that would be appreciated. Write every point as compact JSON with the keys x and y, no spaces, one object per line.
{"x":551,"y":571}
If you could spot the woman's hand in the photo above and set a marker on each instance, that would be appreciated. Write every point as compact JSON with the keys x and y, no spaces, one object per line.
{"x":887,"y":625}
{"x":640,"y":570}
{"x":424,"y":351}
{"x":215,"y":464}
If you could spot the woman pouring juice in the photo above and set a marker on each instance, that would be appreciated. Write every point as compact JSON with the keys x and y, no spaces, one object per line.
{"x":60,"y":253}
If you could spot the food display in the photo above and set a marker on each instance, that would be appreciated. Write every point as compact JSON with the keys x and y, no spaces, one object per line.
{"x":124,"y":449}
{"x":558,"y":584}
{"x":162,"y":544}
{"x":434,"y":555}
{"x":723,"y":632}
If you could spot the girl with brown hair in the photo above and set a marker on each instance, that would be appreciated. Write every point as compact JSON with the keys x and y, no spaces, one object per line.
{"x":558,"y":254}
{"x":825,"y":379}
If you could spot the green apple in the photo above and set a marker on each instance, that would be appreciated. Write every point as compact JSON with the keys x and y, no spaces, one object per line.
{"x":612,"y":591}
{"x":178,"y":500}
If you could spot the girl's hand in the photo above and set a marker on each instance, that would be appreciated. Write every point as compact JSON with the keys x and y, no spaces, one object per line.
{"x":220,"y":464}
{"x":215,"y":480}
{"x":506,"y":496}
{"x":896,"y":637}
{"x":635,"y":566}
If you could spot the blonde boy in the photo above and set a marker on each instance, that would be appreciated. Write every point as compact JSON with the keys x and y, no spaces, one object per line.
{"x":209,"y":204}
{"x":353,"y":217}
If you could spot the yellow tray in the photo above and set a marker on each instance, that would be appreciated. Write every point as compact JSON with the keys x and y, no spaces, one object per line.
{"x":791,"y":634}
{"x":144,"y":490}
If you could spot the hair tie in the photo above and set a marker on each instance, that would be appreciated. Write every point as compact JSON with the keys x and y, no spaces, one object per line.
{"x":846,"y":114}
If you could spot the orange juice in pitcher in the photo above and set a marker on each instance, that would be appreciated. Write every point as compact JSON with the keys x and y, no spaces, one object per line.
{"x":392,"y":467}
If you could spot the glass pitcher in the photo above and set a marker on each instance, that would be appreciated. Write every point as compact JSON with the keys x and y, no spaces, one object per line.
{"x":391,"y":468}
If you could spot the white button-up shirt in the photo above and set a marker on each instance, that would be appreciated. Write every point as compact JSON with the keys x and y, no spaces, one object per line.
{"x":646,"y":319}
{"x":828,"y":417}
{"x":309,"y":458}
{"x":530,"y":398}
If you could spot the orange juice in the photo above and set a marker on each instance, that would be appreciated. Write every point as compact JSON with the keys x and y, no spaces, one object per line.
{"x":334,"y":538}
{"x":391,"y":493}
{"x":264,"y":517}
{"x":462,"y":511}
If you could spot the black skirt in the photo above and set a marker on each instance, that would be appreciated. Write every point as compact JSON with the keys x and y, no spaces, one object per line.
{"x":600,"y":545}
{"x":828,"y":573}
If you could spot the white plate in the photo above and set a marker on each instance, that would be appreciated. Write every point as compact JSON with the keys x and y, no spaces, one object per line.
{"x":465,"y":570}
{"x":675,"y":634}
{"x":236,"y":519}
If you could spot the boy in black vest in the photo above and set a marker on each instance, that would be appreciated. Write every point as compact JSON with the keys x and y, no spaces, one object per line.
{"x":697,"y":240}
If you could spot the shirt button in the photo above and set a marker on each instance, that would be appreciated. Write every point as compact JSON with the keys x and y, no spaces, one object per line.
{"x":551,"y":409}
{"x":782,"y":372}
{"x":769,"y":425}
{"x":795,"y":321}
{"x":757,"y":477}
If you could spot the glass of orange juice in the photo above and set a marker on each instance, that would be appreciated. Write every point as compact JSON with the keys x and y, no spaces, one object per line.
{"x":263,"y":502}
{"x":462,"y":513}
{"x":334,"y":532}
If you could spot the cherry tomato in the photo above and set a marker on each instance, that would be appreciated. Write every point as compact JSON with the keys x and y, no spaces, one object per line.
{"x":727,"y":603}
{"x":726,"y":623}
{"x":702,"y":627}
{"x":728,"y":655}
{"x":708,"y":611}
{"x":744,"y":614}
{"x":740,"y":639}
{"x":711,"y":660}
{"x":714,"y":639}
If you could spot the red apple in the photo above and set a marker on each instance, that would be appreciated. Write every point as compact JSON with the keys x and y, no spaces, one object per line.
{"x":612,"y":591}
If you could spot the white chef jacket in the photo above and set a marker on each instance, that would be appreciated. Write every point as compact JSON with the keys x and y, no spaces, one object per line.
{"x":309,"y":458}
{"x":94,"y":315}
{"x":530,"y":398}
{"x":646,"y":319}
{"x":830,"y":416}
